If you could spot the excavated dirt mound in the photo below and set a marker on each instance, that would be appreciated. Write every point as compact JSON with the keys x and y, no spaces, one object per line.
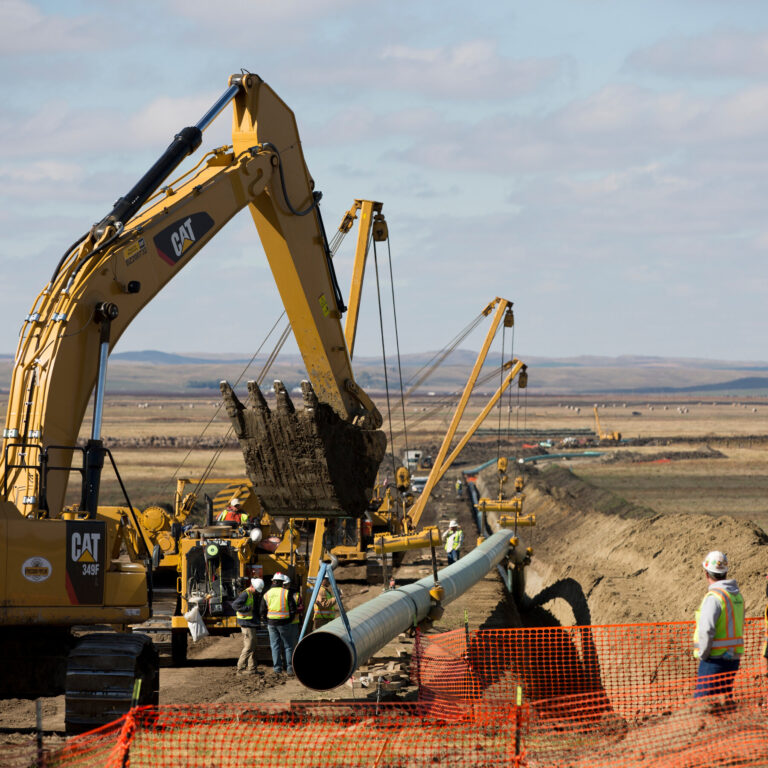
{"x":602,"y":560}
{"x":640,"y":458}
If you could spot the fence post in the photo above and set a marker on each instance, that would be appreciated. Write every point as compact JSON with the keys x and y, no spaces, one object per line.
{"x":518,"y":724}
{"x":124,"y":740}
{"x":39,"y":721}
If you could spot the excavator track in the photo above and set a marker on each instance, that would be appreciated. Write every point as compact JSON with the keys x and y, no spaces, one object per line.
{"x":101,"y":672}
{"x":307,"y":462}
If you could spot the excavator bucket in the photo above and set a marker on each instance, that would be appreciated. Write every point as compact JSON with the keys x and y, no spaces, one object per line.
{"x":307,"y":462}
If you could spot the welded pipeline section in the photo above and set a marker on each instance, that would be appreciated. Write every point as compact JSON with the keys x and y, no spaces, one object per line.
{"x":327,"y":657}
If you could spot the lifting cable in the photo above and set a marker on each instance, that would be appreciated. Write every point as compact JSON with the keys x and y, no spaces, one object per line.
{"x":259,"y":380}
{"x":285,"y":333}
{"x":450,"y":400}
{"x":218,"y":409}
{"x":501,"y":384}
{"x":384,"y":358}
{"x":397,"y":344}
{"x":436,"y":360}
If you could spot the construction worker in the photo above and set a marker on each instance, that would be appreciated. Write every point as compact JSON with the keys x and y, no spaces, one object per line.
{"x":233,"y":513}
{"x":765,"y":639}
{"x":718,"y":639}
{"x":325,"y":605}
{"x":459,"y":487}
{"x":246,"y":606}
{"x":454,"y":538}
{"x":297,"y":599}
{"x":278,"y":608}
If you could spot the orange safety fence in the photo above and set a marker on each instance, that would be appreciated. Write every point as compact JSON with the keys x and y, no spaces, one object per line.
{"x":602,"y":696}
{"x":619,"y":695}
{"x":294,"y":735}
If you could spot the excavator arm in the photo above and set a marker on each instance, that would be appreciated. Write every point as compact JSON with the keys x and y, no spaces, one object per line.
{"x":120,"y":265}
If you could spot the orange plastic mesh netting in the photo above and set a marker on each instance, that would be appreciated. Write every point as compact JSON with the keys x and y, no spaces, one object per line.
{"x":298,"y":734}
{"x":601,"y":695}
{"x":590,"y":696}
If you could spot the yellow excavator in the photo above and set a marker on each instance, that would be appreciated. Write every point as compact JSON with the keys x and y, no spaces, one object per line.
{"x":605,"y":437}
{"x":64,"y":568}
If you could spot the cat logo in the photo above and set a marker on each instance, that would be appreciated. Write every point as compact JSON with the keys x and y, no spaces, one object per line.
{"x":86,"y":561}
{"x":85,"y":547}
{"x":175,"y":240}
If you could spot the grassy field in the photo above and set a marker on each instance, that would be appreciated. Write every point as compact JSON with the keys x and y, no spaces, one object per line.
{"x":140,"y":429}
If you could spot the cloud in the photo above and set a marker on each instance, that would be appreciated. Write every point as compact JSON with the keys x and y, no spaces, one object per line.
{"x":471,"y":69}
{"x":616,"y":126}
{"x":58,"y":127}
{"x":719,"y":54}
{"x":26,"y":30}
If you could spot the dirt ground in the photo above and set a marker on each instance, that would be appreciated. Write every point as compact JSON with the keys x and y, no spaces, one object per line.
{"x":619,"y":538}
{"x":631,"y":564}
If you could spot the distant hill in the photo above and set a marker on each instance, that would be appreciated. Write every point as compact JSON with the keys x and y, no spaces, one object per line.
{"x":198,"y":374}
{"x":155,"y":357}
{"x":757,"y":384}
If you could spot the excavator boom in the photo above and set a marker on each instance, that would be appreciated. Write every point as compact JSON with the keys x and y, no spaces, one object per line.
{"x":121,"y":264}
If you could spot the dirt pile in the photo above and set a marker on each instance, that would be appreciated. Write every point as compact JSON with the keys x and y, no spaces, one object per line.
{"x":663,"y":456}
{"x":602,"y":560}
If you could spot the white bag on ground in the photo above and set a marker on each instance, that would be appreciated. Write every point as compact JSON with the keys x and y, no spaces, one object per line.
{"x":197,"y":626}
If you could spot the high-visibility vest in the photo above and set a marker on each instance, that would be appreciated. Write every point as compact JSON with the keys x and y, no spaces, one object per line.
{"x":729,"y":629}
{"x":765,"y":638}
{"x":231,"y":515}
{"x":454,"y":541}
{"x":298,"y":605}
{"x":324,"y":613}
{"x":247,"y":612}
{"x":277,"y":603}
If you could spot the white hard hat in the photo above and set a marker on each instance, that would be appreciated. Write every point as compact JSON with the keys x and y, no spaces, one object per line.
{"x":716,"y":562}
{"x":280,"y":577}
{"x":255,"y":535}
{"x":258,"y":584}
{"x":453,"y":524}
{"x":235,"y":502}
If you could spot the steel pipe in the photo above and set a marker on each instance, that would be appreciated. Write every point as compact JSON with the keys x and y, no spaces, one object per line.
{"x":326,"y":658}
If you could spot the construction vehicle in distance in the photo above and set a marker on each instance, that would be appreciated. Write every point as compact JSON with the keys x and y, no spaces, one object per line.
{"x":415,"y":460}
{"x":63,"y":561}
{"x":605,"y":437}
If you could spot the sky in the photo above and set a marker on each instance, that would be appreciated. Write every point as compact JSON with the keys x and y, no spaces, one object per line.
{"x":600,"y":163}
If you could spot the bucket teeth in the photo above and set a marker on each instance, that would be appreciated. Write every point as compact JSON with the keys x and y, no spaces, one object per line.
{"x":284,"y":402}
{"x":255,"y":397}
{"x":307,"y":462}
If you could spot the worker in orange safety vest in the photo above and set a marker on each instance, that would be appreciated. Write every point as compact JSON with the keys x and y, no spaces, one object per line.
{"x":233,"y":513}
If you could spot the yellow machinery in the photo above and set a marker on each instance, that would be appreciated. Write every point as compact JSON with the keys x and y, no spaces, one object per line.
{"x":395,"y":513}
{"x":510,"y":509}
{"x":605,"y":437}
{"x":63,"y":564}
{"x":502,"y":312}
